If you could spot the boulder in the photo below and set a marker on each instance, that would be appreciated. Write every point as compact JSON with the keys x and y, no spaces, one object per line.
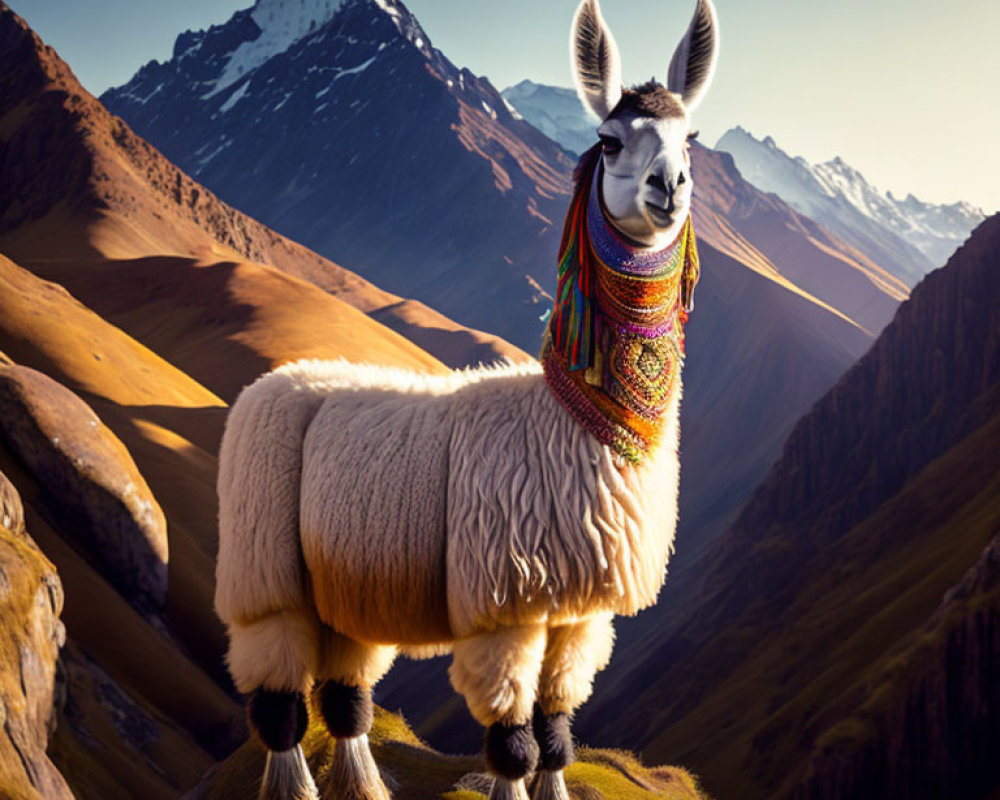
{"x":92,"y":487}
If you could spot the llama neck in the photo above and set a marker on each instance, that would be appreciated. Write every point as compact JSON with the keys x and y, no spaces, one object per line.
{"x":615,"y":343}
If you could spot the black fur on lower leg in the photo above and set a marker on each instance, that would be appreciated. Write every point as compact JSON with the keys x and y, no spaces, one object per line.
{"x":347,"y":710}
{"x":279,"y":719}
{"x":555,"y":742}
{"x":511,"y":750}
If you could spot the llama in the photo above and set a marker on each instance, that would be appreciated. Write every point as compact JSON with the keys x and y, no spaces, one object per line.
{"x":503,"y":514}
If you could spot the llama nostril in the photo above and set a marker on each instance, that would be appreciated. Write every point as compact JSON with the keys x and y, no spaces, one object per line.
{"x":682,"y":178}
{"x":656,"y":182}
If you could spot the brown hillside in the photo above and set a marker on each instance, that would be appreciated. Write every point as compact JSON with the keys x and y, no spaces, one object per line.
{"x":226,"y":322}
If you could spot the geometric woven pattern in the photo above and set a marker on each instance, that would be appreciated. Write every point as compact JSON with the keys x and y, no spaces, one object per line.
{"x":643,"y":372}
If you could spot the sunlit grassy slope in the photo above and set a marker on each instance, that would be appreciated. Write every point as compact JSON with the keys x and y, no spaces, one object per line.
{"x":416,"y":772}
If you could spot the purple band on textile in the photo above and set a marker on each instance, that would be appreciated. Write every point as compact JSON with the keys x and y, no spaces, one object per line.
{"x":615,"y":251}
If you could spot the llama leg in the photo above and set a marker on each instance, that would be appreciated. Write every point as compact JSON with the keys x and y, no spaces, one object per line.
{"x":349,"y":671}
{"x":574,"y":654}
{"x":273,"y":660}
{"x":497,"y":673}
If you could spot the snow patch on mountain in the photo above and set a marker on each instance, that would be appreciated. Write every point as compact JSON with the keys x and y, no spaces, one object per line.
{"x":281,"y":23}
{"x":234,"y":98}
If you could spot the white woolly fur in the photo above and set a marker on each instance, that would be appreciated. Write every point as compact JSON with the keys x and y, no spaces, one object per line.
{"x":421,"y":511}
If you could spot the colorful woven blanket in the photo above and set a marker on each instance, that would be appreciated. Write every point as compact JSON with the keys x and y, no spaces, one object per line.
{"x":616,"y":336}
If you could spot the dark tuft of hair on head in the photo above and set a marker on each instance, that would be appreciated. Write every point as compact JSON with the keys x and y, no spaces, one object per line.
{"x":650,"y":99}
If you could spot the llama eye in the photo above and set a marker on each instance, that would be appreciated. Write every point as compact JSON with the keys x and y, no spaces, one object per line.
{"x":682,"y":178}
{"x":610,"y":145}
{"x":693,"y":135}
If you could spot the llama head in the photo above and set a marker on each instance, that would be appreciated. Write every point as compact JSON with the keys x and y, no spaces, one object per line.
{"x":644,"y":133}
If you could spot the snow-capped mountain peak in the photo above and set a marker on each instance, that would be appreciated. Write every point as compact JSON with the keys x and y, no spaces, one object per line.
{"x":222,"y":56}
{"x":281,"y":24}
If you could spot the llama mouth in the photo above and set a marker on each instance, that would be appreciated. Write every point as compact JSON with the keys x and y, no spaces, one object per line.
{"x":659,"y":215}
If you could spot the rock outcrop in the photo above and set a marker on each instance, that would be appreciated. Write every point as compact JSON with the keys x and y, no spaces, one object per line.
{"x":31,"y":599}
{"x":93,"y":486}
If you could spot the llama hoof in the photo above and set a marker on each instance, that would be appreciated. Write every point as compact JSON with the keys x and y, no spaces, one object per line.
{"x":555,"y":742}
{"x":549,"y":785}
{"x":287,"y":777}
{"x":504,"y":789}
{"x":279,"y":719}
{"x":511,"y":751}
{"x":353,"y":773}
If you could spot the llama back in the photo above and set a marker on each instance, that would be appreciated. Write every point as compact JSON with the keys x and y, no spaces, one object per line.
{"x":377,"y":475}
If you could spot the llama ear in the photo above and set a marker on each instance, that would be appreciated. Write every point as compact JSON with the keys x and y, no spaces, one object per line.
{"x":596,"y":63}
{"x":693,"y":65}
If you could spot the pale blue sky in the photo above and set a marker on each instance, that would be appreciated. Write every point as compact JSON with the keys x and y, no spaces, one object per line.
{"x":905,"y":90}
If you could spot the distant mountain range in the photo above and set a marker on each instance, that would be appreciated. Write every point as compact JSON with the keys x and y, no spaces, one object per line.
{"x":907,"y":237}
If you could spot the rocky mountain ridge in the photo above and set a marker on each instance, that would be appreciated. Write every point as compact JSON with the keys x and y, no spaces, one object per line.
{"x":907,"y":237}
{"x":31,"y":598}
